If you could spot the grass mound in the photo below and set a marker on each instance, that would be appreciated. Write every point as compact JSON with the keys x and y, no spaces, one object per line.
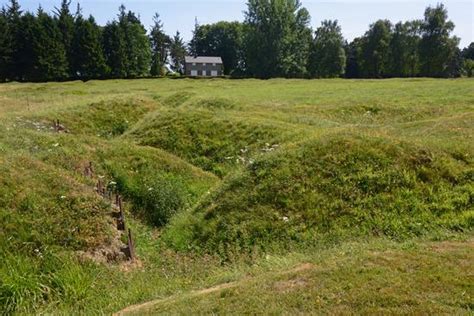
{"x":157,"y":184}
{"x":346,"y":184}
{"x":104,"y":118}
{"x":216,"y":142}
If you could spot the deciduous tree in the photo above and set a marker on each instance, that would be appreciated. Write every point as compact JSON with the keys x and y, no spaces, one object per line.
{"x":437,"y":47}
{"x":327,"y":57}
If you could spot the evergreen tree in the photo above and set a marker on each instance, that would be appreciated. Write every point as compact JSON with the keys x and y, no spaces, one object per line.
{"x":159,"y":45}
{"x":327,"y":57}
{"x":375,"y":50}
{"x":88,"y":55}
{"x":177,"y":53}
{"x":114,"y":50}
{"x":136,"y":45}
{"x":49,"y":48}
{"x":5,"y":52}
{"x":196,"y":43}
{"x":27,"y":57}
{"x":437,"y":48}
{"x":65,"y":22}
{"x":12,"y":40}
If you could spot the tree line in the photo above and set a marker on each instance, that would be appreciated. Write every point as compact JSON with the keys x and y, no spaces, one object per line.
{"x":275,"y":40}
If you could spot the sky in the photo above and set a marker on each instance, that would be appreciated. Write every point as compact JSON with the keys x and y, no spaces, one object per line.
{"x":354,"y":16}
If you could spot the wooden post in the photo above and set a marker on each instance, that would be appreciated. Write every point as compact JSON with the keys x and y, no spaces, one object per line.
{"x":121,"y":218}
{"x":131,"y":246}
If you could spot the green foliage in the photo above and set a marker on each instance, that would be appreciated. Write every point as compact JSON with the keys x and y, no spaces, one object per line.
{"x":51,"y":53}
{"x":468,"y":52}
{"x":327,"y":58}
{"x":177,"y":53}
{"x":404,"y":55}
{"x":437,"y":48}
{"x":375,"y":50}
{"x":88,"y":59}
{"x":223,"y":39}
{"x":277,"y":38}
{"x":159,"y":45}
{"x":65,"y":22}
{"x":469,"y":67}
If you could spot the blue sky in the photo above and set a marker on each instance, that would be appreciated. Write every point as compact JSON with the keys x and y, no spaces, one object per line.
{"x":353,"y":15}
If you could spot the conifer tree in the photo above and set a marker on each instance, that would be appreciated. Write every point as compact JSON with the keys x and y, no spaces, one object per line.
{"x":65,"y":22}
{"x":177,"y":53}
{"x":88,"y":55}
{"x":4,"y":46}
{"x":114,"y":50}
{"x":12,"y":39}
{"x":159,"y":46}
{"x":49,"y":47}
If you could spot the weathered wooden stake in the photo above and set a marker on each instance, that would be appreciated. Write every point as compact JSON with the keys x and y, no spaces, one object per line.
{"x":121,"y":219}
{"x":131,"y":246}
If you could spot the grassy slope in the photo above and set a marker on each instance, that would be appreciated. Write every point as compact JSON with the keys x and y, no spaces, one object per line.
{"x":421,"y":128}
{"x":378,"y":277}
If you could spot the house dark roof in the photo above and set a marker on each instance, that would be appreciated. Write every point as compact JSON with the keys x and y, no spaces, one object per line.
{"x":203,"y":59}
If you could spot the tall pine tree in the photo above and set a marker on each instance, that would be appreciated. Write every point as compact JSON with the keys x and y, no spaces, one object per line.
{"x":177,"y":53}
{"x":65,"y":22}
{"x":13,"y":40}
{"x":88,"y":55}
{"x":48,"y":44}
{"x":159,"y":46}
{"x":4,"y":46}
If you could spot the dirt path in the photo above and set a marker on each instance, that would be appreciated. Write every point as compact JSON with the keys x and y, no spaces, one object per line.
{"x":147,"y":305}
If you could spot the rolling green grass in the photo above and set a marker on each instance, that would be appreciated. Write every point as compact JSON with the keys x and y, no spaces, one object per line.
{"x":239,"y":180}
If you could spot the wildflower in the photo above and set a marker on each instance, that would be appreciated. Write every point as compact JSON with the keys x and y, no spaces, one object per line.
{"x":285,"y":219}
{"x":56,"y":145}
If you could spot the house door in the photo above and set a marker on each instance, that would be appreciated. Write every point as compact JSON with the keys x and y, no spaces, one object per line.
{"x":214,"y":73}
{"x":204,"y":73}
{"x":194,"y":73}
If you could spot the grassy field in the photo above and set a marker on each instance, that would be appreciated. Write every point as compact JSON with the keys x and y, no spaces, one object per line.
{"x":303,"y":196}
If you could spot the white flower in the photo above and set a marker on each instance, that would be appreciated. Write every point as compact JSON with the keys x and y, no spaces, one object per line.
{"x":150,"y":189}
{"x":285,"y":219}
{"x":112,"y":183}
{"x":63,"y":197}
{"x":56,"y":145}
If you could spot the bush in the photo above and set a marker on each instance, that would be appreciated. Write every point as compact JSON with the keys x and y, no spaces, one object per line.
{"x":469,"y":67}
{"x":156,"y":198}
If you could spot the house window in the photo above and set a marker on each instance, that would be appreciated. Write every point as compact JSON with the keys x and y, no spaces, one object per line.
{"x":214,"y":64}
{"x":204,"y":64}
{"x":194,"y":64}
